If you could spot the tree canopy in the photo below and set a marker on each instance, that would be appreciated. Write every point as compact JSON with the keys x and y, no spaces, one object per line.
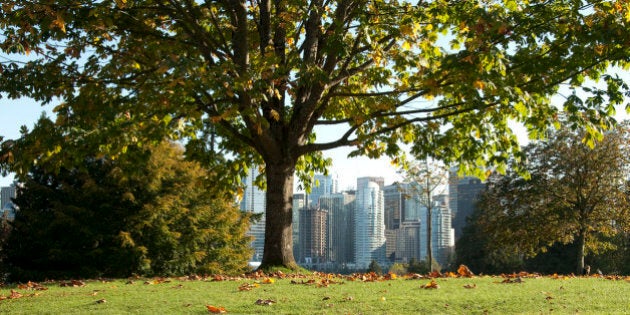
{"x":575,"y":195}
{"x":248,"y":82}
{"x":146,"y":213}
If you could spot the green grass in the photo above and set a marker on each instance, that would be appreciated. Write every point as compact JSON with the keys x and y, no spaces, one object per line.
{"x":532,"y":296}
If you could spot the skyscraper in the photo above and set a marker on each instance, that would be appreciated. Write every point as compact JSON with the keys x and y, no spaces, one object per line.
{"x":463,"y":195}
{"x":299,"y":201}
{"x":322,"y":185}
{"x":340,"y":227}
{"x":370,"y":242}
{"x":254,"y":200}
{"x":6,"y":205}
{"x":313,"y":235}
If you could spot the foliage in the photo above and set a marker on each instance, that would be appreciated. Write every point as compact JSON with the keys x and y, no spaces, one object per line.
{"x":398,"y":269}
{"x":422,"y":266}
{"x":149,"y":213}
{"x":375,"y":267}
{"x":576,"y":194}
{"x":254,"y":79}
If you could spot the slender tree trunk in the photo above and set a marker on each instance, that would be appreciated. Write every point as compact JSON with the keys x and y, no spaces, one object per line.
{"x":581,"y":252}
{"x":429,"y":223}
{"x":429,"y":238}
{"x":278,"y":250}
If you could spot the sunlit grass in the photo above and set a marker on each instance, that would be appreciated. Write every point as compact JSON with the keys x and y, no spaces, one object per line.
{"x":332,"y":296}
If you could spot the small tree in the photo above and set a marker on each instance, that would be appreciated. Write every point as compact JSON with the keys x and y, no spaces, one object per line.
{"x":150,"y":213}
{"x":426,"y":180}
{"x":375,"y":267}
{"x":576,"y":194}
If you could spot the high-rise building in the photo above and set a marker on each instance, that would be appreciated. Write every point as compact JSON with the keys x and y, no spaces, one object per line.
{"x":340,"y":208}
{"x":394,"y":205}
{"x":443,"y":233}
{"x":7,"y":210}
{"x":299,"y":201}
{"x":322,"y":185}
{"x":370,"y":242}
{"x":313,"y":235}
{"x":6,"y":194}
{"x":254,"y":200}
{"x":463,"y":195}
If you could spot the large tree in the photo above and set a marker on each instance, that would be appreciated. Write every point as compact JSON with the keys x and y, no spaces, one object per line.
{"x":248,"y":82}
{"x":574,"y":194}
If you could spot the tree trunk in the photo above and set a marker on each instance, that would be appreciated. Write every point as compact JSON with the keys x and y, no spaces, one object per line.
{"x":429,"y":238}
{"x":278,"y":250}
{"x":581,"y":252}
{"x":429,"y":222}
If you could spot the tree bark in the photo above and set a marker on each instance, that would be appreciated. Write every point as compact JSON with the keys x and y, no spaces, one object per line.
{"x":278,"y":250}
{"x":581,"y":252}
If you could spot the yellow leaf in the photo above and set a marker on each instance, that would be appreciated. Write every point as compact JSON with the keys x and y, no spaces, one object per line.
{"x":59,"y":23}
{"x":406,"y":30}
{"x":268,"y":281}
{"x":274,"y":114}
{"x":121,"y":3}
{"x":216,"y":310}
{"x":406,"y":45}
{"x":478,"y":84}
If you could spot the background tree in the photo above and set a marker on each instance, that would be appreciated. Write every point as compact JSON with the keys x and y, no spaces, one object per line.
{"x":149,"y":213}
{"x":426,"y":180}
{"x":255,"y":78}
{"x":576,"y":194}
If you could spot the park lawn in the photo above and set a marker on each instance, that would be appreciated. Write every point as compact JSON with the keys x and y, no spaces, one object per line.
{"x":324,"y":294}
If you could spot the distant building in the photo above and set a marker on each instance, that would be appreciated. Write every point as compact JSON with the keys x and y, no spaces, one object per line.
{"x":299,"y":202}
{"x":313,"y":235}
{"x":370,"y":242}
{"x":322,"y":185}
{"x":7,"y":210}
{"x":463,"y":195}
{"x":394,"y":206}
{"x":254,"y":200}
{"x":443,"y":232}
{"x":340,"y":208}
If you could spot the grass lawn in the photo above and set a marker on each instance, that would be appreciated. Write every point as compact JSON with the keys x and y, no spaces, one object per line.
{"x":324,"y":294}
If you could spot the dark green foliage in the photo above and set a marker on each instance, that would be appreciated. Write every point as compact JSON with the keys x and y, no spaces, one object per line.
{"x":122,"y":217}
{"x":421,"y":266}
{"x":375,"y":267}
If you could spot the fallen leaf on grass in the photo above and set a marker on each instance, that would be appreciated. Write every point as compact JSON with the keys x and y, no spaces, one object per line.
{"x":216,"y":310}
{"x":515,"y":280}
{"x":464,"y":271}
{"x":265,"y":302}
{"x":248,"y":286}
{"x":32,"y":286}
{"x":470,"y":286}
{"x":268,"y":281}
{"x":101,"y":301}
{"x":72,"y":283}
{"x":431,"y":285}
{"x":15,"y":295}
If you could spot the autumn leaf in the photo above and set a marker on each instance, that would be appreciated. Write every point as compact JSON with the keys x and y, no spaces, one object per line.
{"x":247,"y":286}
{"x":464,"y":271}
{"x":268,"y":281}
{"x":470,"y":286}
{"x":431,"y":285}
{"x":15,"y":295}
{"x":216,"y":310}
{"x":265,"y":302}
